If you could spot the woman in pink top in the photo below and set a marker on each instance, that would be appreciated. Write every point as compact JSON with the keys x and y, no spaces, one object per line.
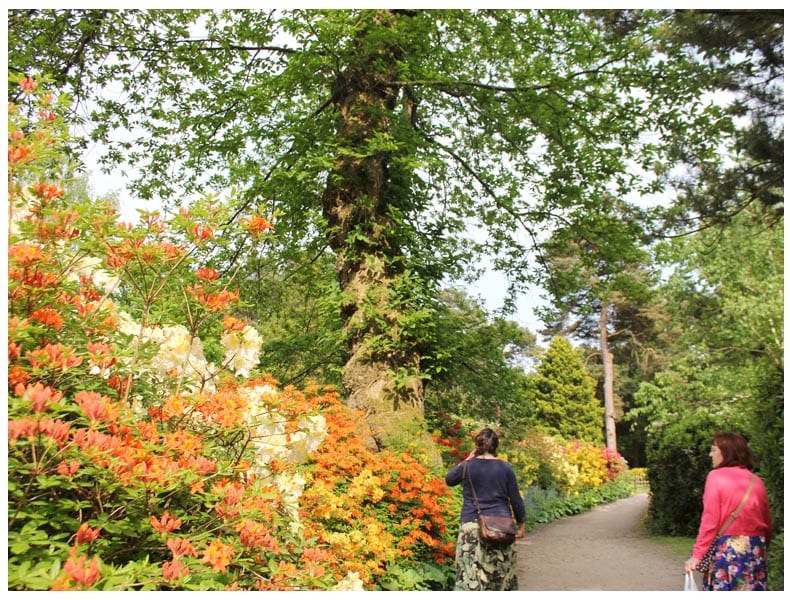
{"x":739,"y":559}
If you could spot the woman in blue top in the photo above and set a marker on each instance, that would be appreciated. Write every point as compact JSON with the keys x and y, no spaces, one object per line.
{"x":481,"y":566}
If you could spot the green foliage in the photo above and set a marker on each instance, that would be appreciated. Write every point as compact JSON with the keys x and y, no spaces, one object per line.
{"x":473,"y":365}
{"x":564,"y":395}
{"x":465,"y":86}
{"x":295,"y":294}
{"x":547,"y":505}
{"x":776,"y":571}
{"x":766,"y":433}
{"x":678,"y":456}
{"x":725,"y":302}
{"x":425,"y":577}
{"x":745,"y":52}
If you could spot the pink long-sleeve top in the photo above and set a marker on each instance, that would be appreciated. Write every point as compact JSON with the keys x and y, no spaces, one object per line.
{"x":724,"y":488}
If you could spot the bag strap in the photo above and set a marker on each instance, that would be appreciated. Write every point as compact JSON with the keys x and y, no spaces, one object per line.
{"x":734,"y":514}
{"x":471,"y":485}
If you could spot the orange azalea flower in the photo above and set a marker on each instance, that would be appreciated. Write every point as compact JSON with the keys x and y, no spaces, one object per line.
{"x":166,"y":524}
{"x":173,"y":407}
{"x":86,"y":534}
{"x":154,"y":221}
{"x":40,"y":397}
{"x":83,"y":575}
{"x":90,"y":439}
{"x":25,"y":254}
{"x":181,"y":547}
{"x":118,"y":384}
{"x":231,"y":491}
{"x":174,"y":570}
{"x":101,"y":355}
{"x":35,"y":279}
{"x":201,"y":232}
{"x":48,"y":316}
{"x":218,"y":555}
{"x":17,"y":375}
{"x":48,"y":191}
{"x":21,"y":428}
{"x":59,"y":226}
{"x":257,"y":225}
{"x":28,"y":84}
{"x":95,"y":406}
{"x":184,"y":442}
{"x":231,"y":323}
{"x":19,"y":154}
{"x":254,"y":534}
{"x":214,"y":302}
{"x":207,"y":274}
{"x":116,"y":261}
{"x":224,"y":407}
{"x":171,"y":251}
{"x":147,"y":431}
{"x":54,"y":356}
{"x":55,"y":429}
{"x":68,"y":469}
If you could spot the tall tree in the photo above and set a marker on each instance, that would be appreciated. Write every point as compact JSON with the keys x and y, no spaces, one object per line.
{"x":384,"y":134}
{"x":595,"y":263}
{"x":564,"y":395}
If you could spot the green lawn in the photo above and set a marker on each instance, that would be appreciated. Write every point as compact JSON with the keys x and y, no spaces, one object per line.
{"x":679,"y":545}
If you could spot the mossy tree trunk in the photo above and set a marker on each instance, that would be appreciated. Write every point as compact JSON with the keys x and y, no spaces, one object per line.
{"x":381,"y":373}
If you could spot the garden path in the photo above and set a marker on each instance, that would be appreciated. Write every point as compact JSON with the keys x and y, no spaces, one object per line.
{"x":603,"y":549}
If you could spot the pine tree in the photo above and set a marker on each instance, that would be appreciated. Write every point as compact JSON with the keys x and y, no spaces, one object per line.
{"x":564,"y":395}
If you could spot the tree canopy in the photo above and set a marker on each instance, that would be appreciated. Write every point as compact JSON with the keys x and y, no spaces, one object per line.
{"x":387,"y":137}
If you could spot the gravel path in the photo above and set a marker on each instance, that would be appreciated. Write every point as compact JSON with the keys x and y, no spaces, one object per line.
{"x":603,"y":549}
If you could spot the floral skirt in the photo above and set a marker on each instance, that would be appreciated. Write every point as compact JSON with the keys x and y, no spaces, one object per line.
{"x":738,"y":564}
{"x":480,"y":566}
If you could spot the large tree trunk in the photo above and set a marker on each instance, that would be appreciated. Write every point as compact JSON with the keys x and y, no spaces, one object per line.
{"x":381,"y":375}
{"x":608,"y":381}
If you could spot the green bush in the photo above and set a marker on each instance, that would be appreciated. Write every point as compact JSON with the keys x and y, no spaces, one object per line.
{"x":776,"y":573}
{"x":679,"y":464}
{"x":766,"y":434}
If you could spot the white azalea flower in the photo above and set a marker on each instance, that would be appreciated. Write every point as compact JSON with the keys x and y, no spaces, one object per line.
{"x":242,"y":349}
{"x":350,"y":583}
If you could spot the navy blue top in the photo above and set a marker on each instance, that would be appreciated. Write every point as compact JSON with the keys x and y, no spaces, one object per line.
{"x":496,"y":487}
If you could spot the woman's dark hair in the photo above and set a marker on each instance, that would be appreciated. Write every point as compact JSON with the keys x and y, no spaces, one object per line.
{"x":486,"y":441}
{"x":734,"y":450}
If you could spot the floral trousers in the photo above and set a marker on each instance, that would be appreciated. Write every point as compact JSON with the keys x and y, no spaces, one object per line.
{"x":738,"y":564}
{"x":480,"y":566}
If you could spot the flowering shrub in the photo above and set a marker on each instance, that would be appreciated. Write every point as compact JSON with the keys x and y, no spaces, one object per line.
{"x":538,"y":460}
{"x":570,"y":467}
{"x":588,"y":463}
{"x":453,"y":439}
{"x":140,"y":455}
